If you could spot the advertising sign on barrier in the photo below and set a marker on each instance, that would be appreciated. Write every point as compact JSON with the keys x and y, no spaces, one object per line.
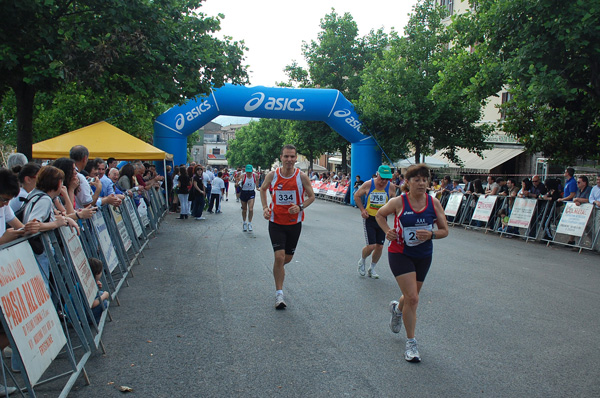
{"x":125,"y":238}
{"x":483,"y":210}
{"x":28,"y":310}
{"x":105,"y":243}
{"x":574,"y":219}
{"x":80,"y":262}
{"x":522,"y":212}
{"x":143,"y":212}
{"x":137,"y":227}
{"x":453,"y":204}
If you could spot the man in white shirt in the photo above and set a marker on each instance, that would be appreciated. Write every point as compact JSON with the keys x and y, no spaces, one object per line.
{"x":217,"y":189}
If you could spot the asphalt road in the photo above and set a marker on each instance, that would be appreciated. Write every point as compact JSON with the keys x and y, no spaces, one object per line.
{"x":497,"y":318}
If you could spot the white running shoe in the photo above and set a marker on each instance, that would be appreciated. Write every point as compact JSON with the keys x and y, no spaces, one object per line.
{"x":249,"y":227}
{"x":200,"y":218}
{"x":244,"y":227}
{"x":372,"y":274}
{"x":396,"y":321}
{"x":412,"y":351}
{"x":279,"y":303}
{"x":361,"y":266}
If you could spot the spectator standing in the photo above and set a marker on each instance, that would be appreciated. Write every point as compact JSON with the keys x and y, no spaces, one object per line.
{"x":583,"y":191}
{"x":26,"y":178}
{"x":83,"y":197}
{"x":492,"y":187}
{"x":594,"y":199}
{"x":538,"y":189}
{"x":570,"y":186}
{"x":9,"y":188}
{"x":199,"y":194}
{"x":107,"y":184}
{"x":207,"y":177}
{"x":378,"y":193}
{"x":217,"y":189}
{"x":183,"y":194}
{"x":411,"y":248}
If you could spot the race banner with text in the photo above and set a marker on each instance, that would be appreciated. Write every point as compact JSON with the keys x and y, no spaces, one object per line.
{"x":80,"y":262}
{"x":483,"y":210}
{"x":453,"y":204}
{"x":521,"y":213}
{"x":28,"y":310}
{"x":574,"y":219}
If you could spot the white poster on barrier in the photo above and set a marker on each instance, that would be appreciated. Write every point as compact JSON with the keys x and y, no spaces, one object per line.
{"x":483,"y":210}
{"x":125,"y":238}
{"x":453,"y":204}
{"x":105,"y":243}
{"x":137,"y":227}
{"x":28,"y":310}
{"x":521,"y":213}
{"x":80,"y":261}
{"x":143,"y":212}
{"x":574,"y":219}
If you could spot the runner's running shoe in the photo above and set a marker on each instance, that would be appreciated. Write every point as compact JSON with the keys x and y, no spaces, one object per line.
{"x":244,"y":227}
{"x":279,"y":303}
{"x":250,"y":227}
{"x":372,"y":274}
{"x":412,"y":351}
{"x":396,"y":321}
{"x":361,"y":266}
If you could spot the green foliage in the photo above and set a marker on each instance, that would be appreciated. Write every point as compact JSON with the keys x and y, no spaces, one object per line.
{"x":144,"y":50}
{"x":259,"y":143}
{"x":398,"y":102}
{"x":547,"y":55}
{"x":335,"y":61}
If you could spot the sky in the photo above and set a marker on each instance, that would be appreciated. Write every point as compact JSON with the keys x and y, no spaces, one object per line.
{"x":273,"y":30}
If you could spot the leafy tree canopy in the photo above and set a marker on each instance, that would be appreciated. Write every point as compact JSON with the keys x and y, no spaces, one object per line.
{"x":546,"y":53}
{"x":259,"y":143}
{"x":147,"y":50}
{"x":398,"y":104}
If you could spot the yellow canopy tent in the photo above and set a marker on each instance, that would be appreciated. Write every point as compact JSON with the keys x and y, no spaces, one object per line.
{"x":103,"y":140}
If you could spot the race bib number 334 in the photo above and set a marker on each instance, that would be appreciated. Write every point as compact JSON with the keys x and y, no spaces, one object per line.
{"x":285,"y":197}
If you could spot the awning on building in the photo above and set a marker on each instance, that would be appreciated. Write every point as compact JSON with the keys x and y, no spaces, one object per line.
{"x":335,"y":159}
{"x":491,"y":158}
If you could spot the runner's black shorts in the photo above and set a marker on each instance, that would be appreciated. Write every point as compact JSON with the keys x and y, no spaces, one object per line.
{"x":373,"y":232}
{"x":401,"y":264}
{"x":247,"y":195}
{"x":284,"y":237}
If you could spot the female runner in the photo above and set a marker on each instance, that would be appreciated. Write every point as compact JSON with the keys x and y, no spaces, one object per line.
{"x":411,"y":247}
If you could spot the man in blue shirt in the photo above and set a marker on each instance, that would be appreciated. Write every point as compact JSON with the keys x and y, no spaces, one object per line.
{"x":570,"y":186}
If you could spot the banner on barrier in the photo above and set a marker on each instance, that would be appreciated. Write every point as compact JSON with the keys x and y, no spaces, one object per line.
{"x":522,"y":212}
{"x":143,"y":212}
{"x":574,"y":219}
{"x":453,"y":204}
{"x":483,"y":210}
{"x":137,"y":227}
{"x":121,"y":227}
{"x":80,"y":262}
{"x":105,"y":243}
{"x":28,"y":310}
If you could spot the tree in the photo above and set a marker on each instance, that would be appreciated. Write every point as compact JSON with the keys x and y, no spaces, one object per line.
{"x":259,"y":143}
{"x":398,"y":104}
{"x":335,"y":61}
{"x":547,"y":54}
{"x":147,"y":50}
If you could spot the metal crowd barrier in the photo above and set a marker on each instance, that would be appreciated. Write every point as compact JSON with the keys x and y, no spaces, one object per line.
{"x":48,"y":317}
{"x":539,"y":220}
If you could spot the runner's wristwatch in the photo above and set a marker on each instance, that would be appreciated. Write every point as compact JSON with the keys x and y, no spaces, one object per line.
{"x":432,"y":235}
{"x":301,"y":207}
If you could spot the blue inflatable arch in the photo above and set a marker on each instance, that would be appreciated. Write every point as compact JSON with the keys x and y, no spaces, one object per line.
{"x":310,"y":104}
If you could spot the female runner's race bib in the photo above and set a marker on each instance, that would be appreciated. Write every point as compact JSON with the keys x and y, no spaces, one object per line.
{"x":410,"y":234}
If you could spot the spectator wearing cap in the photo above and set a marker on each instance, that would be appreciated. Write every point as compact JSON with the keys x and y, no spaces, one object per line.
{"x":378,"y":193}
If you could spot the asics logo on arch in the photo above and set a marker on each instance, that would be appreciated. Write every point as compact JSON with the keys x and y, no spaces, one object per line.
{"x":191,"y":115}
{"x":350,"y":120}
{"x":274,"y":104}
